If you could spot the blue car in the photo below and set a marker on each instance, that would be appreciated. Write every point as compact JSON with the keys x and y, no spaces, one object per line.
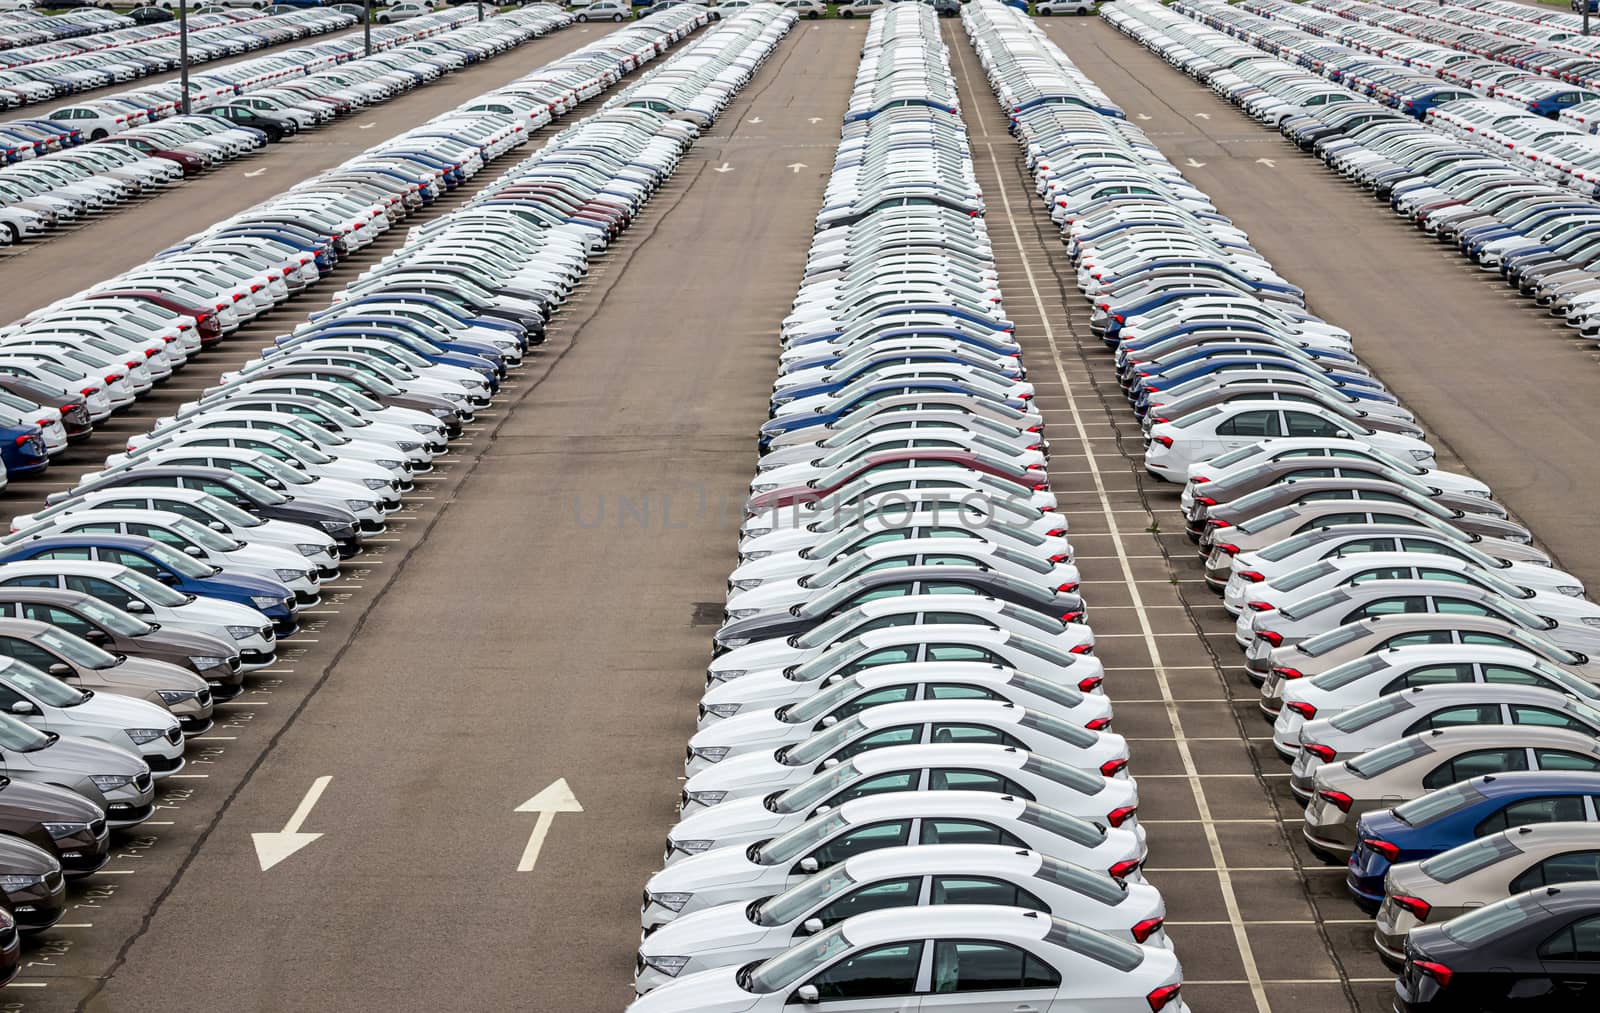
{"x":838,"y":409}
{"x":838,"y":381}
{"x":21,"y":446}
{"x":418,"y":346}
{"x":162,"y":562}
{"x":1450,"y":817}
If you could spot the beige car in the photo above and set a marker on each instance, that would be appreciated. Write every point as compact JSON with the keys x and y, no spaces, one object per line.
{"x":1315,"y":655}
{"x":1382,"y":778}
{"x":1491,"y":868}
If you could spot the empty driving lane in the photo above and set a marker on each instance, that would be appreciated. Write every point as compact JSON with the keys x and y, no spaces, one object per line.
{"x":1253,"y":918}
{"x":1503,"y":388}
{"x":555,"y":624}
{"x":41,"y":271}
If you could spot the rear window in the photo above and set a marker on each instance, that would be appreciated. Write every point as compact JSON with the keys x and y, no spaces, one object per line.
{"x":1386,"y":758}
{"x":1064,"y":773}
{"x":1098,"y":885}
{"x":1322,"y":643}
{"x":1303,"y":576}
{"x":1267,"y":520}
{"x":1469,"y":858}
{"x":1290,"y":546}
{"x":1063,"y":825}
{"x":1194,"y":418}
{"x":1370,"y":713}
{"x":1095,"y":945}
{"x":1295,"y":611}
{"x":1485,"y":923}
{"x":1420,"y":812}
{"x":1344,"y":675}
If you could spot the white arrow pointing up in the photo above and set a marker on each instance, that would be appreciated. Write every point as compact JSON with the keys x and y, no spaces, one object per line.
{"x":1269,"y":163}
{"x":724,"y":167}
{"x":755,"y":119}
{"x":814,"y":119}
{"x":274,"y":848}
{"x":795,"y":166}
{"x":557,"y":798}
{"x":255,"y":173}
{"x":1143,"y":116}
{"x":1195,"y":165}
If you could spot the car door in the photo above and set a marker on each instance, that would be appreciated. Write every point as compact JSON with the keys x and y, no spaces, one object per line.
{"x":1536,"y":809}
{"x":876,"y":979}
{"x":981,"y":976}
{"x":1571,"y":957}
{"x":1245,"y":428}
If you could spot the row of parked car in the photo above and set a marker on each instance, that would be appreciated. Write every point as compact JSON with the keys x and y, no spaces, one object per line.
{"x":25,"y":28}
{"x":138,"y":600}
{"x":1427,"y":671}
{"x":145,"y":147}
{"x":28,"y":79}
{"x":904,"y":787}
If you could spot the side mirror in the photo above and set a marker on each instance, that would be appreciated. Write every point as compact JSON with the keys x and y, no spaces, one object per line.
{"x":192,"y":550}
{"x":808,"y":864}
{"x":217,"y":526}
{"x":167,"y":578}
{"x":22,"y":707}
{"x":61,"y":670}
{"x":808,"y":994}
{"x":830,"y":763}
{"x":829,"y":721}
{"x":811,"y":926}
{"x":96,"y":636}
{"x":135,"y":606}
{"x":273,"y":483}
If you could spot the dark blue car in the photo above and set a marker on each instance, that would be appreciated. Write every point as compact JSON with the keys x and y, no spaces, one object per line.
{"x":21,"y":447}
{"x":1450,"y":817}
{"x":162,"y":562}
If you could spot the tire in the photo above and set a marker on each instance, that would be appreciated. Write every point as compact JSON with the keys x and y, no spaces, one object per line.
{"x":13,"y":237}
{"x":98,"y":135}
{"x":617,"y":18}
{"x":813,"y":15}
{"x":583,"y":19}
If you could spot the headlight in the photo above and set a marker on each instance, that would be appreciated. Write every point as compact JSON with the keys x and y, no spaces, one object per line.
{"x":288,"y":575}
{"x":1421,"y":455}
{"x":450,"y":395}
{"x":1572,"y":590}
{"x":172,"y":696}
{"x":358,"y":505}
{"x":142,"y":735}
{"x":756,"y":532}
{"x":309,"y":550}
{"x":758,"y":554}
{"x":390,"y":464}
{"x":669,"y":966}
{"x":424,"y":428}
{"x":724,"y":674}
{"x":332,"y":525}
{"x":671,"y":901}
{"x":241,"y":632}
{"x":764,"y":487}
{"x":1591,"y":620}
{"x":207,"y":661}
{"x":109,"y":782}
{"x":712,"y":754}
{"x":723,"y":710}
{"x":60,"y":830}
{"x":407,"y":445}
{"x":741,"y":614}
{"x":265,"y":601}
{"x":706,"y":797}
{"x":20,"y":882}
{"x":746,"y":585}
{"x":692,"y":847}
{"x":375,"y":483}
{"x":736,"y":641}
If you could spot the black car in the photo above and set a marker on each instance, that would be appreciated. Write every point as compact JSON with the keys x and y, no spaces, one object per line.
{"x":275,"y":127}
{"x":32,"y":884}
{"x":338,"y":523}
{"x":737,"y":631}
{"x":947,"y":8}
{"x":1538,"y":950}
{"x":10,"y":946}
{"x":150,"y":15}
{"x":67,"y":825}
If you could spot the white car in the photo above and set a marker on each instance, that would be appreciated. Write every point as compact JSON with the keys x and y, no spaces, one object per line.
{"x":733,"y":729}
{"x":1201,"y":436}
{"x":1260,"y":452}
{"x":924,"y":721}
{"x":1068,"y":967}
{"x":606,"y":10}
{"x":901,"y":877}
{"x":147,"y":730}
{"x":1049,"y":7}
{"x":891,"y":510}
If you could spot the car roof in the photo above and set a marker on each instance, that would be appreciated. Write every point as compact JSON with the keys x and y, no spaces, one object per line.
{"x":932,"y":803}
{"x":959,"y":920}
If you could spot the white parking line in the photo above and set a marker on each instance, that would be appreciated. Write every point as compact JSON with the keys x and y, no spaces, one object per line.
{"x":1213,"y":843}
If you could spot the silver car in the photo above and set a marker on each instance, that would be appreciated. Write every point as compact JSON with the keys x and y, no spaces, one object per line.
{"x":115,"y":779}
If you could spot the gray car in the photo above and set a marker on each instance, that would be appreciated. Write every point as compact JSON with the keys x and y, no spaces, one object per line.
{"x":1481,"y":872}
{"x":115,"y":779}
{"x":1341,"y":793}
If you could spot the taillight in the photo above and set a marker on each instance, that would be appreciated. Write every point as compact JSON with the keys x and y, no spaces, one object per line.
{"x":1056,"y":532}
{"x":1288,"y":673}
{"x":22,"y":440}
{"x":1321,"y":752}
{"x":1068,"y":587}
{"x":113,"y":377}
{"x":1228,"y":547}
{"x":1416,"y":905}
{"x":1124,"y":868}
{"x":1336,"y":798}
{"x":1159,"y":998}
{"x":1302,"y":708}
{"x":1147,"y":928}
{"x":1080,"y":648}
{"x":1041,"y":486}
{"x":1111,"y":768}
{"x":1165,"y":441}
{"x":1437,"y":971}
{"x":1387,"y":849}
{"x":1090,"y":683}
{"x":1098,"y":724}
{"x":1251,"y":576}
{"x":1259,"y":606}
{"x":89,"y":390}
{"x":1205,"y":501}
{"x":1271,"y":637}
{"x":1121,"y":815}
{"x":1072,"y":617}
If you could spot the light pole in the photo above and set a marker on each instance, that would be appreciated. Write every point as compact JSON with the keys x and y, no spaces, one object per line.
{"x":366,"y":27}
{"x":183,"y":55}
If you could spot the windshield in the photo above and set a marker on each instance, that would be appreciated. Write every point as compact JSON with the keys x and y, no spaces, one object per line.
{"x":113,"y":619}
{"x":804,"y":897}
{"x":826,"y":633}
{"x":203,"y":536}
{"x":824,"y":743}
{"x":75,"y":649}
{"x":801,"y":839}
{"x":790,"y":966}
{"x":152,"y":591}
{"x":227,"y":513}
{"x":176,"y":561}
{"x":814,"y":789}
{"x":280,"y":471}
{"x":829,"y":661}
{"x":48,"y":690}
{"x":1386,"y":758}
{"x":20,"y":736}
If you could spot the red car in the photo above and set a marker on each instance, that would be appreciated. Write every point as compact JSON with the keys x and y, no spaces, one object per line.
{"x":205,"y":317}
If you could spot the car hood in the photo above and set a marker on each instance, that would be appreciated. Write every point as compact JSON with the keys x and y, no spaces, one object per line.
{"x":142,"y":676}
{"x":713,"y":991}
{"x":20,"y":800}
{"x":740,"y":821}
{"x":725,"y":926}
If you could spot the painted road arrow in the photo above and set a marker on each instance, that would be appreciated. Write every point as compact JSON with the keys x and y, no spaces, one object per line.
{"x":724,"y":167}
{"x":1195,"y":165}
{"x":557,"y":798}
{"x":256,"y":173}
{"x":274,"y":848}
{"x":795,"y":166}
{"x":1269,"y":163}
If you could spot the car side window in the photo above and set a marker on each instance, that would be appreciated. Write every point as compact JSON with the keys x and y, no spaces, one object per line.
{"x":1571,"y":867}
{"x":1460,"y":607}
{"x":1475,"y":764}
{"x":1544,"y":717}
{"x":1307,"y":424}
{"x":9,"y":696}
{"x":962,"y":652}
{"x":950,"y":691}
{"x":1381,"y":573}
{"x":877,"y":972}
{"x":939,"y":587}
{"x":899,"y":780}
{"x":1356,"y":545}
{"x":861,"y":840}
{"x":984,"y":966}
{"x":131,"y":560}
{"x":1430,"y":675}
{"x":1487,"y":639}
{"x":1560,"y":759}
{"x":975,"y":780}
{"x":1389,"y":607}
{"x":982,"y":890}
{"x":877,"y":698}
{"x":32,"y":580}
{"x":22,"y":650}
{"x":1415,"y":639}
{"x":903,"y":736}
{"x":1513,"y":675}
{"x":72,"y":553}
{"x":885,"y":656}
{"x":890,"y":893}
{"x":974,"y":734}
{"x":1452,"y":717}
{"x":953,"y":831}
{"x":68,"y":621}
{"x":1252,"y":424}
{"x":100,"y":588}
{"x":1528,"y":811}
{"x":1579,"y":941}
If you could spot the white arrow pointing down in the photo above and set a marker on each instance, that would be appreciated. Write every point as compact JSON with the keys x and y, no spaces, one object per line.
{"x":274,"y":848}
{"x":557,"y":798}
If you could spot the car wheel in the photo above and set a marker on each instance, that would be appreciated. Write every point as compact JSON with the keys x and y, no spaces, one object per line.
{"x":616,"y":17}
{"x":13,"y":237}
{"x":98,"y":135}
{"x":813,"y":15}
{"x":583,"y":18}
